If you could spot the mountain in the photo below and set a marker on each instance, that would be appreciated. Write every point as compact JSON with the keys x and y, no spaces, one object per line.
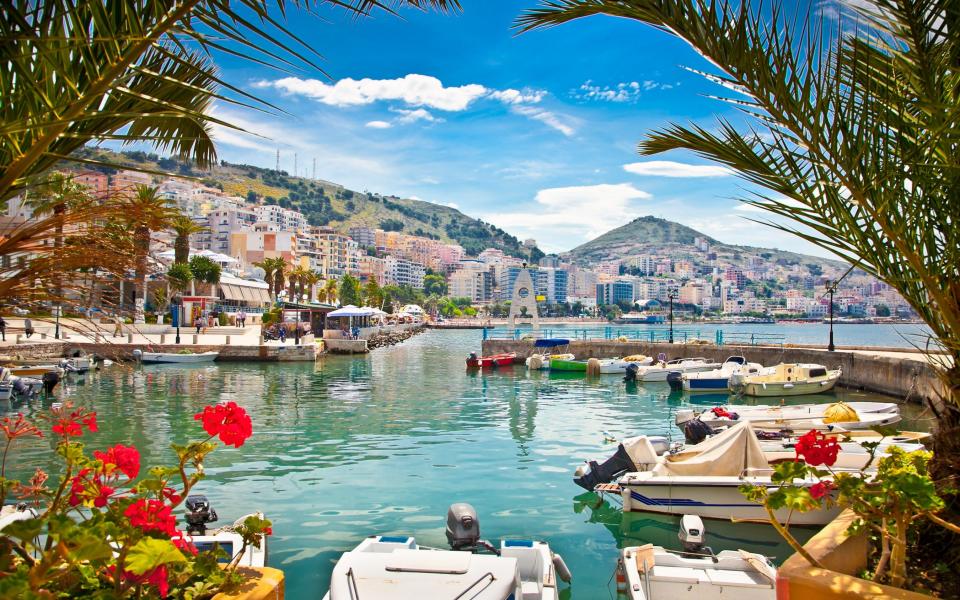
{"x":327,"y":203}
{"x":651,"y":235}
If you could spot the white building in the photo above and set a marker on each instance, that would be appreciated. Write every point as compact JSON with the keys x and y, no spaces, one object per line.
{"x":399,"y":271}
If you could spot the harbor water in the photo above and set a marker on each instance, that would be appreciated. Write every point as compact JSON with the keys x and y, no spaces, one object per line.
{"x":384,"y":443}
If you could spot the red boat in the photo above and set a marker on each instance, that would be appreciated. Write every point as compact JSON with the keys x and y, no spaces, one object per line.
{"x":490,"y":362}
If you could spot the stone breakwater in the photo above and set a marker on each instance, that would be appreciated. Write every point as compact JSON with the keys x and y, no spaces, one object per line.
{"x":381,"y":340}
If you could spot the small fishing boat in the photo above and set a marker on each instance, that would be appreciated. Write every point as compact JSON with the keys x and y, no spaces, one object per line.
{"x":651,"y":572}
{"x":397,"y":568}
{"x":835,"y":412}
{"x":786,"y":379}
{"x":200,"y":513}
{"x":551,"y":347}
{"x":490,"y":362}
{"x":659,"y":371}
{"x":36,"y":371}
{"x":712,"y":381}
{"x":163,"y":358}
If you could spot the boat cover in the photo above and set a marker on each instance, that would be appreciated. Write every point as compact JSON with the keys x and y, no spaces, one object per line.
{"x":550,"y":343}
{"x":633,"y":454}
{"x":725,"y":454}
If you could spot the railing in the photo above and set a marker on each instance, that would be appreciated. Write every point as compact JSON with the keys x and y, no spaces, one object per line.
{"x":749,"y":338}
{"x":651,"y":335}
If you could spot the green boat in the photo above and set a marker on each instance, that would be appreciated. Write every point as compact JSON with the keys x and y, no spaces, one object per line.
{"x":559,"y":364}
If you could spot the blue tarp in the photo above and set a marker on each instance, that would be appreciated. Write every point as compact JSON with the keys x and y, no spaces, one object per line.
{"x":551,"y":343}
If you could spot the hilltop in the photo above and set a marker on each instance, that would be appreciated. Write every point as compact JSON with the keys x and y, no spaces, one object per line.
{"x":328,"y":203}
{"x":652,"y":235}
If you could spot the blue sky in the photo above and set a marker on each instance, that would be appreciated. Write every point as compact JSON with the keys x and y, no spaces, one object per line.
{"x":535,"y":133}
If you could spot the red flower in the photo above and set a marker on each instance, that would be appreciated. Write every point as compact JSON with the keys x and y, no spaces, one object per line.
{"x":87,"y":486}
{"x":152,"y":515}
{"x":817,"y":449}
{"x":820,"y":489}
{"x":170,"y":495}
{"x":268,"y":531}
{"x":35,"y":487}
{"x":229,"y":421}
{"x":69,"y":424}
{"x":12,"y":429}
{"x":126,"y":459}
{"x":158,"y":579}
{"x":183,"y":543}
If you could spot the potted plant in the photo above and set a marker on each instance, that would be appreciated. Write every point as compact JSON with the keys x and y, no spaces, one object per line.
{"x":110,"y":526}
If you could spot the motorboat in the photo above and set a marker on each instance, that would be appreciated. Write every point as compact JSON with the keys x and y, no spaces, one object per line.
{"x":36,"y":371}
{"x":163,"y":358}
{"x":490,"y":362}
{"x":200,"y":513}
{"x":541,"y":362}
{"x":549,"y":348}
{"x":712,"y":381}
{"x":705,"y":480}
{"x":608,"y":366}
{"x":841,"y":413}
{"x":651,"y":572}
{"x":76,"y":364}
{"x":397,"y":568}
{"x":659,"y":371}
{"x":786,"y":379}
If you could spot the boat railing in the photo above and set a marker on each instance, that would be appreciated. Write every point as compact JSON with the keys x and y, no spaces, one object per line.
{"x":488,"y":576}
{"x":352,"y":585}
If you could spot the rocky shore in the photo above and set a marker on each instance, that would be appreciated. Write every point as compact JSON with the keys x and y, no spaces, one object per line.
{"x":382,"y":340}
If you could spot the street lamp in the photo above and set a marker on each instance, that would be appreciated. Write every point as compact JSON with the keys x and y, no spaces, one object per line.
{"x":56,"y":331}
{"x":178,"y":302}
{"x":671,"y":296}
{"x":296,"y":332}
{"x":831,"y":288}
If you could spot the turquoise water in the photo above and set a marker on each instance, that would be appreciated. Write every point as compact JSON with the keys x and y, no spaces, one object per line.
{"x":901,"y":335}
{"x":384,"y":443}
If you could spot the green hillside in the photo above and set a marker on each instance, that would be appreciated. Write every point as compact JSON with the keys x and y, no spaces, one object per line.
{"x":326,"y":203}
{"x":651,"y":235}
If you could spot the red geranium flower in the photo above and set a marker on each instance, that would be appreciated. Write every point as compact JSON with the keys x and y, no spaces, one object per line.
{"x":227,"y":420}
{"x":68,"y":424}
{"x":158,"y":579}
{"x":19,"y":427}
{"x":817,"y":449}
{"x":126,"y":459}
{"x":87,"y":486}
{"x":183,"y":543}
{"x":820,"y":489}
{"x":152,"y":515}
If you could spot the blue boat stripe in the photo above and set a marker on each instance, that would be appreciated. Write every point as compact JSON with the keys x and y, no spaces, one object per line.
{"x":676,"y":501}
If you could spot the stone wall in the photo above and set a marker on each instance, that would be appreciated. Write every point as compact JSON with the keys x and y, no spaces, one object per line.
{"x":901,"y":377}
{"x":306,"y":351}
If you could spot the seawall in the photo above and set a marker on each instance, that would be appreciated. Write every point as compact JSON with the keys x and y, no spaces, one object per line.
{"x":900,"y":376}
{"x":124,"y":352}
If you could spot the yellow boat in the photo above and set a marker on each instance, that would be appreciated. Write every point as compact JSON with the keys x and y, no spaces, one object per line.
{"x":786,"y":379}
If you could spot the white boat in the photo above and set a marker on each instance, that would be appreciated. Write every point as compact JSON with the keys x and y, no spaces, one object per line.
{"x":36,"y":371}
{"x":76,"y":364}
{"x":659,"y":371}
{"x":154,"y":358}
{"x":397,"y":568}
{"x":705,"y":481}
{"x":718,"y":379}
{"x":786,"y":379}
{"x":862,"y":412}
{"x":544,"y":360}
{"x":654,"y":573}
{"x":864,"y":421}
{"x":200,"y":513}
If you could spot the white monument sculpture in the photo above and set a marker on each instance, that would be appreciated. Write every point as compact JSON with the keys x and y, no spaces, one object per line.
{"x":524,"y":296}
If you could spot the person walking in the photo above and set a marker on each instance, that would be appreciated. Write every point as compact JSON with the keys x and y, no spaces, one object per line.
{"x":28,"y":327}
{"x":283,"y":334}
{"x":198,"y":323}
{"x":3,"y":329}
{"x":242,"y":318}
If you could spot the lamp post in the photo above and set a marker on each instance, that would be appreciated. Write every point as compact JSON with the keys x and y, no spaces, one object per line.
{"x":831,"y":288}
{"x":178,"y":302}
{"x":56,"y":330}
{"x":296,"y":332}
{"x":671,"y":296}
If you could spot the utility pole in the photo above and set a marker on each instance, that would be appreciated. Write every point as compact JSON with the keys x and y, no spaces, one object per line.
{"x":277,"y":168}
{"x":831,"y":288}
{"x":314,"y":168}
{"x":671,"y":296}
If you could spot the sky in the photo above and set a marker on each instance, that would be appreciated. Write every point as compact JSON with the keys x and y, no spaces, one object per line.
{"x":535,"y":133}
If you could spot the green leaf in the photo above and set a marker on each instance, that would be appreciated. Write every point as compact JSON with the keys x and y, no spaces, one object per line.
{"x":25,"y":530}
{"x":150,"y":553}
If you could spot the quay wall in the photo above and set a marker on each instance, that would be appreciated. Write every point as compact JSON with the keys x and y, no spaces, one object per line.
{"x":902,"y":377}
{"x":124,"y":352}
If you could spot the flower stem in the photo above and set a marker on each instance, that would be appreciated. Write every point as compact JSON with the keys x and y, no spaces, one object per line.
{"x":792,"y":541}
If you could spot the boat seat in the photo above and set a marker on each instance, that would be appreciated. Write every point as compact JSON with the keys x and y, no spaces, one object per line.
{"x":677,"y":574}
{"x":744,"y":579}
{"x":530,"y":590}
{"x":645,"y":554}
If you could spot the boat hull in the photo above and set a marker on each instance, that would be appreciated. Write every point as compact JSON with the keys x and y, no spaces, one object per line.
{"x":660,"y":374}
{"x":708,"y":497}
{"x":712,"y":384}
{"x":764,"y":390}
{"x":557,"y":364}
{"x":167,"y":358}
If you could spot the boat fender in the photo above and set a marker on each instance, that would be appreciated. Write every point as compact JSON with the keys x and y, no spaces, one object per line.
{"x":562,"y":571}
{"x":683,"y":415}
{"x":534,"y":363}
{"x":786,"y":386}
{"x":138,"y":354}
{"x":593,"y":366}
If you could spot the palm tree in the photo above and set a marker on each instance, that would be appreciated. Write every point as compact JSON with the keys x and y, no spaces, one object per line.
{"x":298,"y":277}
{"x":206,"y":271}
{"x":57,"y":195}
{"x":183,"y":226}
{"x":330,"y":290}
{"x":146,"y":212}
{"x":268,"y":268}
{"x":280,"y":268}
{"x":310,"y":280}
{"x":853,"y":138}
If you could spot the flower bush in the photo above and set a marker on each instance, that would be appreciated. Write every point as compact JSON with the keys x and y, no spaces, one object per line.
{"x":106,"y":532}
{"x":888,"y":494}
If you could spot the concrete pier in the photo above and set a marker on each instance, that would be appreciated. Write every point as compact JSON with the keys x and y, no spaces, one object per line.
{"x":882,"y":371}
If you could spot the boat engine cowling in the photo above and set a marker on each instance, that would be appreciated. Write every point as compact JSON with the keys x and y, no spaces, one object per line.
{"x":463,"y":526}
{"x":675,"y":379}
{"x":692,"y":534}
{"x":199,"y":513}
{"x":138,"y":354}
{"x":695,"y":431}
{"x":631,"y":372}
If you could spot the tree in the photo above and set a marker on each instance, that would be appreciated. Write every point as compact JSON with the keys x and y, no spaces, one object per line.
{"x":349,"y":291}
{"x":372,"y":294}
{"x":329,"y":291}
{"x":146,"y":212}
{"x":183,"y":227}
{"x":882,"y":310}
{"x":310,"y":280}
{"x":179,"y":275}
{"x":853,"y":137}
{"x":434,"y":284}
{"x":268,"y":267}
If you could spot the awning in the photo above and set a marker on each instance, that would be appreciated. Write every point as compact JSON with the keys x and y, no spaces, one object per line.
{"x":231,"y":292}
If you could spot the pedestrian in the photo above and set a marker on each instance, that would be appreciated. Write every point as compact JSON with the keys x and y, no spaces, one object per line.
{"x":198,"y":323}
{"x":28,"y":327}
{"x":283,"y":334}
{"x":3,"y":329}
{"x":117,"y":325}
{"x":242,"y":317}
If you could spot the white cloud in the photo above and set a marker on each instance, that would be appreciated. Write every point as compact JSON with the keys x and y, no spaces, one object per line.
{"x":414,"y":115}
{"x":412,"y":89}
{"x":512,"y":96}
{"x":379,"y":125}
{"x":625,"y":91}
{"x":547,"y":118}
{"x":577,"y":212}
{"x":668,"y":168}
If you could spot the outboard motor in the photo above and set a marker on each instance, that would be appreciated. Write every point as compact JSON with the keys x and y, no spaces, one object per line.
{"x":20,"y":388}
{"x":631,"y":372}
{"x":692,"y":534}
{"x":675,"y":379}
{"x":463,"y":526}
{"x":199,"y":513}
{"x":50,"y":380}
{"x":695,"y":431}
{"x":596,"y":473}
